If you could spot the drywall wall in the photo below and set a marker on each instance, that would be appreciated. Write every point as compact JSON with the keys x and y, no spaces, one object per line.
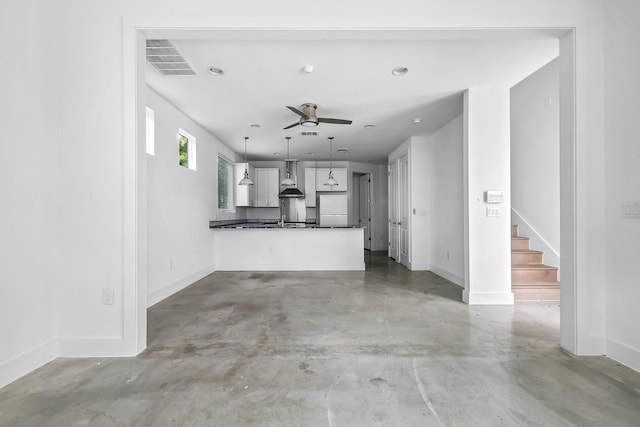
{"x":29,"y":278}
{"x":622,"y":155}
{"x":446,"y":216}
{"x":486,"y":167}
{"x":535,"y":159}
{"x":180,"y":203}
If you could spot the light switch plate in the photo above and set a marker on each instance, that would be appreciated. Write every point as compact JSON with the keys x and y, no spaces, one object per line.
{"x":631,"y":210}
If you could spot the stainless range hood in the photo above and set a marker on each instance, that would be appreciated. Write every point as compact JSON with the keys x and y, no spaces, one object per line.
{"x":292,"y":171}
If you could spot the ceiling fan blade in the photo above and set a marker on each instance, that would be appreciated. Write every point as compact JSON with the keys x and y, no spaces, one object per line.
{"x":334,"y":121}
{"x":295,"y":110}
{"x":293,"y":125}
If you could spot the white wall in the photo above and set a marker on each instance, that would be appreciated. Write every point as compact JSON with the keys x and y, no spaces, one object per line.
{"x":535,"y":159}
{"x":622,"y":156}
{"x":80,"y":45}
{"x":446,"y":207}
{"x":180,"y":203}
{"x":29,"y":209}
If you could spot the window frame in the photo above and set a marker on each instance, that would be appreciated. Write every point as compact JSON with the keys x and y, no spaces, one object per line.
{"x":191,"y":149}
{"x":150,"y":131}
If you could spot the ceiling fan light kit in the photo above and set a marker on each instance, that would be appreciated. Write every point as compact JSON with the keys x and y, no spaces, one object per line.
{"x":308,"y":117}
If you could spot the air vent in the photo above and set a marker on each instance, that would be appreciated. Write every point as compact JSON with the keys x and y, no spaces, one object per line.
{"x":309,"y":133}
{"x":166,"y":59}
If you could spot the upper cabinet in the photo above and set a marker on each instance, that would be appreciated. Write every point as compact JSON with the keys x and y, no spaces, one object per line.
{"x":339,"y":174}
{"x":267,"y":187}
{"x":245,"y":194}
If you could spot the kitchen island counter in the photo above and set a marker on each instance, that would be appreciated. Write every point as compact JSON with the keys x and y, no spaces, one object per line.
{"x":265,"y":246}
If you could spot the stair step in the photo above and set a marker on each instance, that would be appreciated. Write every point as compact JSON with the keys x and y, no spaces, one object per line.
{"x":519,"y":243}
{"x":536,"y":291}
{"x":521,"y":273}
{"x":526,"y":256}
{"x":514,"y":231}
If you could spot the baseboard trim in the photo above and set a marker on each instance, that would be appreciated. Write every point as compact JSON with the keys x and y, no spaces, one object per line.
{"x":458,"y":280}
{"x":94,"y":347}
{"x":476,"y":298}
{"x":623,"y":353}
{"x":161,"y":294}
{"x":28,"y":361}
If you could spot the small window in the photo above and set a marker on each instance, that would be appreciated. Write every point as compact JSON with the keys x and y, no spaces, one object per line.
{"x":225,"y":185}
{"x":151,"y":131}
{"x":186,"y":150}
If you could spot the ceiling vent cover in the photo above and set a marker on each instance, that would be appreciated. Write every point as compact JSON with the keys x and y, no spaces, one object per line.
{"x":309,"y":133}
{"x":166,"y":59}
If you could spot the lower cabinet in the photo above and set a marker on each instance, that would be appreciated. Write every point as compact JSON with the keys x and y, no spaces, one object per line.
{"x":267,"y":187}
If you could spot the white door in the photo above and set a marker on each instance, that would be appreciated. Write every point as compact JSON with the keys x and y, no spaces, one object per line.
{"x":365,"y":208}
{"x":403,"y":210}
{"x":393,"y":211}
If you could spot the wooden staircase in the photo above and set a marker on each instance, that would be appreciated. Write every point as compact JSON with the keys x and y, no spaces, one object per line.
{"x":531,"y":280}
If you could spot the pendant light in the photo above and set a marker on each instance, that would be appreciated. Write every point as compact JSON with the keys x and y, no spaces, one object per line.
{"x":331,"y":181}
{"x":246,"y":180}
{"x":288,"y":182}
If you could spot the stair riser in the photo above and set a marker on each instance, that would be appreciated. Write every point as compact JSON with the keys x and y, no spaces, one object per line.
{"x":514,"y":231}
{"x":536,"y":294}
{"x":534,"y":275}
{"x":526,"y":258}
{"x":519,"y":243}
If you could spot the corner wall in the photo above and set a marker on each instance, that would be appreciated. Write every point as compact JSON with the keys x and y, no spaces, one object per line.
{"x":180,"y":203}
{"x":535,"y":159}
{"x":622,"y":155}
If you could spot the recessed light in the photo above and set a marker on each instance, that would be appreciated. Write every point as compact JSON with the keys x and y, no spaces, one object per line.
{"x":215,"y":71}
{"x":276,"y":154}
{"x":417,"y":120}
{"x":311,"y":153}
{"x":399,"y":71}
{"x":308,"y":69}
{"x":343,"y":151}
{"x":255,"y":125}
{"x":369,"y":126}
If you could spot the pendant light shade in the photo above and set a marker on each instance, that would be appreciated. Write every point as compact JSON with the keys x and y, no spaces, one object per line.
{"x":288,"y":182}
{"x":245,"y":180}
{"x":331,"y":181}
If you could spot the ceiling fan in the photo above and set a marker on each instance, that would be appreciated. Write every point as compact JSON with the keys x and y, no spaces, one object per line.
{"x":308,"y":117}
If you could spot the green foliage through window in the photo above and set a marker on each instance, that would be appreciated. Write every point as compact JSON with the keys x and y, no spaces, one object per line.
{"x":183,"y":147}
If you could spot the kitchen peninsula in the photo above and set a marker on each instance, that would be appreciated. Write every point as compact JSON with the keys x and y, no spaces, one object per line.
{"x":264,"y":245}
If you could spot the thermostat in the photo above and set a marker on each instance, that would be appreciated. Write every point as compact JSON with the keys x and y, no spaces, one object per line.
{"x":494,"y":196}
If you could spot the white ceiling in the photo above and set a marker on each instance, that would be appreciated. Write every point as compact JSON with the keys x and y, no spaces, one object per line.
{"x":351,"y":80}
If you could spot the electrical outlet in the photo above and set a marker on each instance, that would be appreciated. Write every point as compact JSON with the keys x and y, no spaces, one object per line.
{"x":493,"y":211}
{"x":108,"y":296}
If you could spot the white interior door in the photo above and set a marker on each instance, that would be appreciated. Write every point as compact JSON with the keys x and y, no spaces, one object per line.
{"x":393,"y":211}
{"x":365,"y":208}
{"x":403,"y":210}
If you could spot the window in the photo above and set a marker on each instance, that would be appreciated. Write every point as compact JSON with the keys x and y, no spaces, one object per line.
{"x":186,"y":150}
{"x":225,"y":185}
{"x":151,"y":131}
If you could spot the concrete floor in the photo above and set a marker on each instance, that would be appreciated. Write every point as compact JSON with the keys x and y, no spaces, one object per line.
{"x":385,"y":347}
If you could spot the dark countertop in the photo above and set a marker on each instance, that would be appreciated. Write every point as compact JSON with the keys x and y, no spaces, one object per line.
{"x":268,"y":223}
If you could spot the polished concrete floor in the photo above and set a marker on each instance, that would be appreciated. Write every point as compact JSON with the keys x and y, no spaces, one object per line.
{"x":385,"y":347}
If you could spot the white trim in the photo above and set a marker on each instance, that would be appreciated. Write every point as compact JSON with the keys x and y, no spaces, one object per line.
{"x":479,"y":298}
{"x":159,"y":295}
{"x":93,"y":347}
{"x":28,"y":361}
{"x":622,"y":353}
{"x":458,"y":280}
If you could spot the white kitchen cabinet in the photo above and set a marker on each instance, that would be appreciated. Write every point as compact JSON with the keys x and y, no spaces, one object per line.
{"x":339,"y":174}
{"x":267,"y":187}
{"x":245,"y":194}
{"x":310,"y":187}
